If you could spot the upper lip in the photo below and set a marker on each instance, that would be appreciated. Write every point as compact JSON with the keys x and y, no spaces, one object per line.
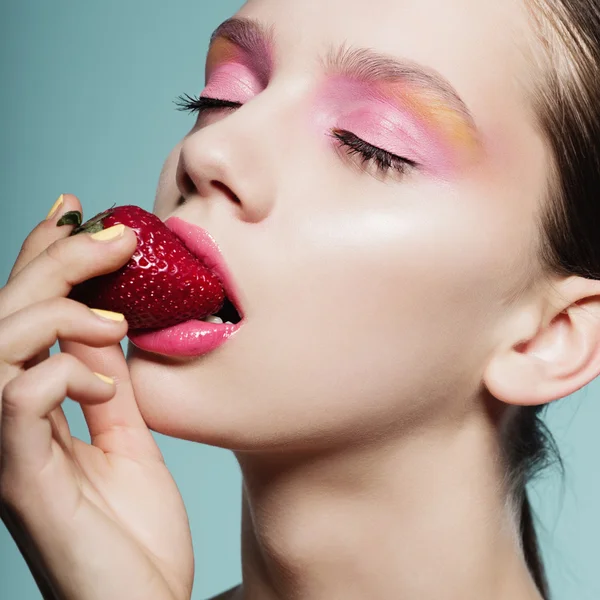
{"x":202,"y":245}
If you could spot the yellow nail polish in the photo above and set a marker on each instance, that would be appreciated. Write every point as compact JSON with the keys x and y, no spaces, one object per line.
{"x":109,"y":315}
{"x":109,"y":234}
{"x":55,"y":207}
{"x":104,"y":378}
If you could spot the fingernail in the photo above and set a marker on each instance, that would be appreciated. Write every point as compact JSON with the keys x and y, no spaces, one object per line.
{"x":109,"y":234}
{"x":104,"y":378}
{"x":108,"y":315}
{"x":55,"y":207}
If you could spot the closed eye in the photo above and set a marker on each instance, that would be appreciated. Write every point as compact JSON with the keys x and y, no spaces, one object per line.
{"x":382,"y":160}
{"x":199,"y":104}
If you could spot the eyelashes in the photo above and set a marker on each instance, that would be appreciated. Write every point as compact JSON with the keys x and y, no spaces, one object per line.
{"x":192,"y":104}
{"x":369,"y":155}
{"x":383,"y":160}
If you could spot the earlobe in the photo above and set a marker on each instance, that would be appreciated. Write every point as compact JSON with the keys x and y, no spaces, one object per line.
{"x":556,"y":361}
{"x":514,"y":377}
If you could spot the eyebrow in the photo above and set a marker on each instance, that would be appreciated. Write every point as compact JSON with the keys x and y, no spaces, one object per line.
{"x":362,"y":64}
{"x":368,"y":66}
{"x":253,"y":38}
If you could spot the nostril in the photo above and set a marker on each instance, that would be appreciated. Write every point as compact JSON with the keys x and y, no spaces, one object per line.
{"x":225,"y":190}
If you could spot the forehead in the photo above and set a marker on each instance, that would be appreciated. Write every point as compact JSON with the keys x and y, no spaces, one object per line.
{"x":480,"y":46}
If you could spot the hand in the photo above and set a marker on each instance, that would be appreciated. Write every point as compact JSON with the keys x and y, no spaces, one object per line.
{"x":94,"y":521}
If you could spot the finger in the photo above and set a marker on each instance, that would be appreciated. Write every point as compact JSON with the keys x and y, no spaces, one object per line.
{"x":40,"y":238}
{"x":25,"y":432}
{"x":46,"y":232}
{"x":60,"y":429}
{"x":63,"y":264}
{"x":117,"y":425}
{"x":34,"y":328}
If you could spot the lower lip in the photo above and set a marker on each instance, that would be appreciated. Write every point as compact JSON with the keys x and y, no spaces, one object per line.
{"x":189,"y":339}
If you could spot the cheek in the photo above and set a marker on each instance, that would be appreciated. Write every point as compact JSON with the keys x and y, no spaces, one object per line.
{"x":408,"y":288}
{"x":368,"y":291}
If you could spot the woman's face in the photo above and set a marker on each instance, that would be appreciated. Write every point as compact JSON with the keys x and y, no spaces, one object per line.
{"x":372,"y":296}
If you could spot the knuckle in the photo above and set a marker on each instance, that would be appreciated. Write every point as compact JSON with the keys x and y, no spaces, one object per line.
{"x":63,"y":363}
{"x":57,"y":252}
{"x":14,"y":397}
{"x":60,"y":307}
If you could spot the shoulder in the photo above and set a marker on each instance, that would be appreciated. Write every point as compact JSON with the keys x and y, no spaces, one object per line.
{"x":231,"y":594}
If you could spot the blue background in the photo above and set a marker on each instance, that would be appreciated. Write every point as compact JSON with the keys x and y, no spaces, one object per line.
{"x":86,"y":107}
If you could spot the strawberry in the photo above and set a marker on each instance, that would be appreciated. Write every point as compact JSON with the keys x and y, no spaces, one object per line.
{"x":163,"y":283}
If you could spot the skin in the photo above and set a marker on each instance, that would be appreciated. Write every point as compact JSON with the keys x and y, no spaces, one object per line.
{"x":364,"y":475}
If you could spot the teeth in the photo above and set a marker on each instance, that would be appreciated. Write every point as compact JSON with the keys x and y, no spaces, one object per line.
{"x":213,"y":319}
{"x":228,"y":323}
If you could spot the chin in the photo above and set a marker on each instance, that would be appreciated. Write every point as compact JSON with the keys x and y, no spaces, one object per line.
{"x":166,"y":391}
{"x":252,"y":411}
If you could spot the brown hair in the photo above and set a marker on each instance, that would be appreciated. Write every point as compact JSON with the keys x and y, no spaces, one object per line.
{"x":567,"y":107}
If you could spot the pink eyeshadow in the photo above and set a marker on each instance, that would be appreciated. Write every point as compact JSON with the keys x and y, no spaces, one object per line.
{"x":398,"y":132}
{"x":365,"y":111}
{"x":231,"y":81}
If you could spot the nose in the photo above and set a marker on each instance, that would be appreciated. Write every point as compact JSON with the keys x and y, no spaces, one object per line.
{"x":228,"y":161}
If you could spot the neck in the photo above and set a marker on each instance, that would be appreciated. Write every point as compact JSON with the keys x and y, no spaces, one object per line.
{"x":424,"y":517}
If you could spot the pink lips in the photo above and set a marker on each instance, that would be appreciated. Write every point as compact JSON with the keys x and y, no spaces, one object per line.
{"x":193,"y":338}
{"x":200,"y":243}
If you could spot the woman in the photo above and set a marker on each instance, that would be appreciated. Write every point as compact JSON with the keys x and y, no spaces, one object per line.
{"x":404,"y":194}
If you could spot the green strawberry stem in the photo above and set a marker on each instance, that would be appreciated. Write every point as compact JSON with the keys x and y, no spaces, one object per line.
{"x":72,"y":217}
{"x":94,"y":225}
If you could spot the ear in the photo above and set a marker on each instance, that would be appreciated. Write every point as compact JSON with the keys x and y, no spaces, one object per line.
{"x":550,"y":351}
